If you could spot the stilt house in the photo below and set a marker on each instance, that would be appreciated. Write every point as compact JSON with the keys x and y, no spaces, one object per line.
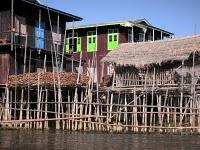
{"x":158,"y":83}
{"x":30,"y":33}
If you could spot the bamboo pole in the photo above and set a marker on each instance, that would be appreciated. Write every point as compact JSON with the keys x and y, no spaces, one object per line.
{"x":97,"y":94}
{"x":111,"y":106}
{"x":81,"y":112}
{"x":6,"y":99}
{"x":118,"y":107}
{"x":135,"y":111}
{"x":39,"y":93}
{"x":181,"y":98}
{"x":45,"y":114}
{"x":164,"y":107}
{"x":28,"y":99}
{"x":125,"y":114}
{"x":62,"y":114}
{"x":69,"y":109}
{"x":21,"y":106}
{"x":198,"y":112}
{"x":159,"y":109}
{"x":108,"y":118}
{"x":152,"y":97}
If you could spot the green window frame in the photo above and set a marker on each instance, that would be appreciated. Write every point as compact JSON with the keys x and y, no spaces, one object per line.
{"x":91,"y":41}
{"x":113,"y":39}
{"x":77,"y":43}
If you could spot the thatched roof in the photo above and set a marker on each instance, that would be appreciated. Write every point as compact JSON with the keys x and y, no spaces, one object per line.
{"x":157,"y":52}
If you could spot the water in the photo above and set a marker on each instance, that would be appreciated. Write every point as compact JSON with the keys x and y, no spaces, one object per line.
{"x":58,"y":140}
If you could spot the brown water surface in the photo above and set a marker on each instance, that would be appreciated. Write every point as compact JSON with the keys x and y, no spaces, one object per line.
{"x":65,"y":140}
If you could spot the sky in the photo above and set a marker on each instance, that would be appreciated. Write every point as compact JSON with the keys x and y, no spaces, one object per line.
{"x":181,"y":17}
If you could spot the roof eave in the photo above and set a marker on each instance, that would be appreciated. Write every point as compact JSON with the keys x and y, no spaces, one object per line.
{"x":75,"y":18}
{"x":167,"y":32}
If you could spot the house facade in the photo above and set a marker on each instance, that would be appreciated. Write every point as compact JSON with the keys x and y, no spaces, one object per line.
{"x":97,"y":40}
{"x":30,"y":34}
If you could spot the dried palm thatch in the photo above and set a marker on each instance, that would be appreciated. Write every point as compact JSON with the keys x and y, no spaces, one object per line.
{"x":147,"y":53}
{"x":46,"y":79}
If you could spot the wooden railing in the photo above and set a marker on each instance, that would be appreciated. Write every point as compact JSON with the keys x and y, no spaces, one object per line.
{"x":139,"y":79}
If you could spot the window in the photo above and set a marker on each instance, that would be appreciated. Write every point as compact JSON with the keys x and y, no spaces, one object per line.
{"x":115,"y":38}
{"x":141,"y":37}
{"x":112,"y":39}
{"x":67,"y":45}
{"x":73,"y":43}
{"x":79,"y":44}
{"x":79,"y":41}
{"x":91,"y":41}
{"x":94,"y":39}
{"x":39,"y":34}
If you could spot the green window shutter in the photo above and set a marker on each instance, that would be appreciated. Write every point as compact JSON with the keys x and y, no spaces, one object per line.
{"x":67,"y":45}
{"x":79,"y":44}
{"x":91,"y":41}
{"x":112,"y":39}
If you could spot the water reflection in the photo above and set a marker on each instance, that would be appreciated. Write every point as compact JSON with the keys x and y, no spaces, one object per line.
{"x":58,"y":140}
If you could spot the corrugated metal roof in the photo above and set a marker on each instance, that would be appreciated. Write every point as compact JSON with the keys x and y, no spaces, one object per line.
{"x":142,"y":23}
{"x":125,"y":23}
{"x":35,"y":2}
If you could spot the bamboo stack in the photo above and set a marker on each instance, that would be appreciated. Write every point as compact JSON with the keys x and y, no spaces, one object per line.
{"x":46,"y":79}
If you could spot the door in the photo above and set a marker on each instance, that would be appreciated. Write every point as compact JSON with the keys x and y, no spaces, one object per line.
{"x":112,"y":39}
{"x":91,"y":41}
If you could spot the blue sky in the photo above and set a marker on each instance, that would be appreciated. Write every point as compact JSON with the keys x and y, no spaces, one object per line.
{"x":182,"y":17}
